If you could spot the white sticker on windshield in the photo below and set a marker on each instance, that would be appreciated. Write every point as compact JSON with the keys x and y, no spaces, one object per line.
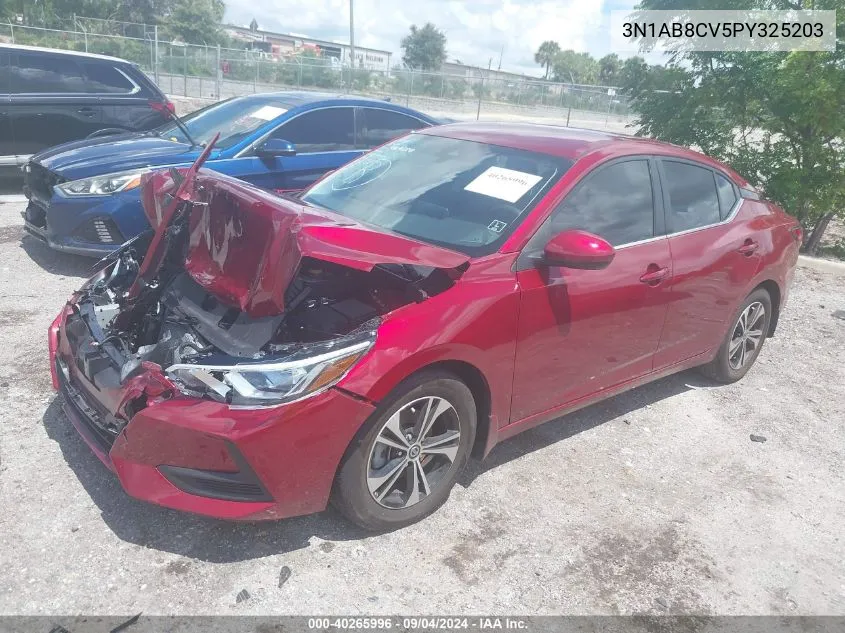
{"x":268,"y":112}
{"x":505,"y":184}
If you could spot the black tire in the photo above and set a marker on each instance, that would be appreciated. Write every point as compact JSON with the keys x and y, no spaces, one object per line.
{"x":351,"y":494}
{"x":723,"y":368}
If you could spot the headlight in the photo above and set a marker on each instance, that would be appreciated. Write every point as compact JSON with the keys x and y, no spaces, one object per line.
{"x":309,"y":369}
{"x":102,"y":185}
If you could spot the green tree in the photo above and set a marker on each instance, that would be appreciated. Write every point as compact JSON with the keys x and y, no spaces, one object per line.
{"x":545,"y":55}
{"x":196,"y":21}
{"x":579,"y":68}
{"x":425,"y":48}
{"x":609,"y":67}
{"x":775,"y":117}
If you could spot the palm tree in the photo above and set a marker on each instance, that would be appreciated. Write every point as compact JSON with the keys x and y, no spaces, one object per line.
{"x":545,"y":55}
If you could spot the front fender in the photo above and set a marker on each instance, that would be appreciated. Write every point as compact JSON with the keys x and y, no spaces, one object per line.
{"x":480,"y":332}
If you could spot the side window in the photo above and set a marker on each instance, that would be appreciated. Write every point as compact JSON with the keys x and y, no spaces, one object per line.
{"x":106,"y":79}
{"x":693,"y":201}
{"x":616,"y":203}
{"x":4,"y":73}
{"x":46,"y":74}
{"x":376,"y":126}
{"x":727,"y":195}
{"x":326,"y":130}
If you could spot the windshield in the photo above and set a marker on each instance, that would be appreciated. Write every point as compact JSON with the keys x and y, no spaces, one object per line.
{"x":235,"y":119}
{"x":464,"y":195}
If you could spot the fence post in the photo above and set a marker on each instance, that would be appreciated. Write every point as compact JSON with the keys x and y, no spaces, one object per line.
{"x":219,"y":74}
{"x":155,"y":65}
{"x":12,"y":30}
{"x":255,"y":80}
{"x":185,"y":72}
{"x":568,"y":114}
{"x":480,"y":95}
{"x":410,"y":89}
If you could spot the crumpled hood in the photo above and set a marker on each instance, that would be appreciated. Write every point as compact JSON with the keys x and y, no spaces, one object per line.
{"x":245,"y":244}
{"x":108,"y":154}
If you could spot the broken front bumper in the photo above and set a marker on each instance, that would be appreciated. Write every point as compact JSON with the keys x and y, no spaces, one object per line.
{"x":202,"y":456}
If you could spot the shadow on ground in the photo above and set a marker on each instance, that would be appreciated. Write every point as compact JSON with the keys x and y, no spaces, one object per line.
{"x":56,"y":262}
{"x":219,"y":541}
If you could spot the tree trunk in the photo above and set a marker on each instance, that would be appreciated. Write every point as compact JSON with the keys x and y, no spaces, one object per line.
{"x":811,"y":246}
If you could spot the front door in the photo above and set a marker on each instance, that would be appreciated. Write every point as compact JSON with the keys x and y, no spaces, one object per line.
{"x":49,"y":104}
{"x":584,"y":331}
{"x":324,"y":140}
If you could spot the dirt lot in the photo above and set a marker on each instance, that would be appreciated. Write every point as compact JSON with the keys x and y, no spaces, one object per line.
{"x":655,"y":501}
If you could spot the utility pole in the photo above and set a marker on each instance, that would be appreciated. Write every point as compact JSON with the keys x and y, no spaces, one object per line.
{"x":352,"y":33}
{"x":481,"y":89}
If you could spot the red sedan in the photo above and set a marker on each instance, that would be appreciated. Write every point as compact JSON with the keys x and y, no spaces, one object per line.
{"x":255,"y":356}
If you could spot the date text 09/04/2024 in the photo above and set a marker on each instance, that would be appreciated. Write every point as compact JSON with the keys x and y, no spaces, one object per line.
{"x":418,"y":622}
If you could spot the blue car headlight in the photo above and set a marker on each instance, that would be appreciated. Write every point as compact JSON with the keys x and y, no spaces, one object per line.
{"x":308,"y":370}
{"x":103,"y":185}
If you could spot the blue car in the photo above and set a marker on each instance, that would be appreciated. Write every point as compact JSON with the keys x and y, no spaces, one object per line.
{"x":84,"y":196}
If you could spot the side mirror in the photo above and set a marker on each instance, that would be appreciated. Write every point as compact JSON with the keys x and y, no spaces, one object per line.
{"x":578,"y":249}
{"x":273,"y":147}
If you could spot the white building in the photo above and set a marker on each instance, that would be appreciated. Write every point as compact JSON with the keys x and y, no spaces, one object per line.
{"x":284,"y":44}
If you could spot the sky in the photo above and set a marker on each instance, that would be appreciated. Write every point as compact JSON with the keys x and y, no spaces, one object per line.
{"x":476,"y":30}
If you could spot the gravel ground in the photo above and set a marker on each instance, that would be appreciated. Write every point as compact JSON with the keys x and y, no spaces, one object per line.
{"x":655,"y":501}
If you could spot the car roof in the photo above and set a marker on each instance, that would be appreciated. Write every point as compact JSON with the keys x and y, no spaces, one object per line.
{"x":567,"y":142}
{"x":59,"y":51}
{"x":297,"y":98}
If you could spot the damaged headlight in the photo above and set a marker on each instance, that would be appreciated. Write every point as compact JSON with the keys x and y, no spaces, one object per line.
{"x":103,"y":185}
{"x":309,"y":369}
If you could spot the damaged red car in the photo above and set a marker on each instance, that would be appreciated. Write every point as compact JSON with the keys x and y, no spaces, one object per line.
{"x":254,"y":356}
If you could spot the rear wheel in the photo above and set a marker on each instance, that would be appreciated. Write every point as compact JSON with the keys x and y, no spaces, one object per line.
{"x":406,"y":458}
{"x":743,"y":341}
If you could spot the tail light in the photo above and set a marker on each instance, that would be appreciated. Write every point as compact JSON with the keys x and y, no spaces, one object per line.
{"x":797,"y":233}
{"x":165,"y":107}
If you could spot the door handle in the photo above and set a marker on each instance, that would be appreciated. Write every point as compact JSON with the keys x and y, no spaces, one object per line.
{"x":748,"y":247}
{"x":654,"y":275}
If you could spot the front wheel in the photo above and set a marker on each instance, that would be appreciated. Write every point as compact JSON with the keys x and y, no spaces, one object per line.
{"x":743,"y":341}
{"x":404,"y":461}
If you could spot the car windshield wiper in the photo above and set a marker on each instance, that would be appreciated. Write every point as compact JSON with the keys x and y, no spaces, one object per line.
{"x":183,"y":128}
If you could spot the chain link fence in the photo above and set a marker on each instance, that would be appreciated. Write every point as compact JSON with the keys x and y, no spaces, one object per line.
{"x":212,"y":72}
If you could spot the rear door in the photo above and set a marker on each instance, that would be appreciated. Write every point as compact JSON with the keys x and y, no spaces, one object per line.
{"x":8,"y":160}
{"x":584,"y":331}
{"x":324,"y":139}
{"x":376,"y":126}
{"x":714,"y":257}
{"x":49,"y":104}
{"x":124,"y":96}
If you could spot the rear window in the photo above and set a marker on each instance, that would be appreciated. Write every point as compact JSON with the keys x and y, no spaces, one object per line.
{"x":37,"y":73}
{"x":727,"y":195}
{"x":106,"y":79}
{"x":693,"y":200}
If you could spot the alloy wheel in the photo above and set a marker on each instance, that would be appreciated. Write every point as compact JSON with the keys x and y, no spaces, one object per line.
{"x":747,"y":335}
{"x":413,"y":451}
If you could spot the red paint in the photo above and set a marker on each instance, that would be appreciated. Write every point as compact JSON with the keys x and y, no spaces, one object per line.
{"x":245,"y":244}
{"x":544,"y":340}
{"x":581,"y":331}
{"x":579,"y":249}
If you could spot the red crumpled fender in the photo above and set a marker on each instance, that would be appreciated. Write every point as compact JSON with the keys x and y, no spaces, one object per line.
{"x":245,"y":244}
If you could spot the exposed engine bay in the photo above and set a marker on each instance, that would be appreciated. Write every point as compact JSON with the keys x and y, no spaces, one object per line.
{"x":177,"y":320}
{"x":231,"y":325}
